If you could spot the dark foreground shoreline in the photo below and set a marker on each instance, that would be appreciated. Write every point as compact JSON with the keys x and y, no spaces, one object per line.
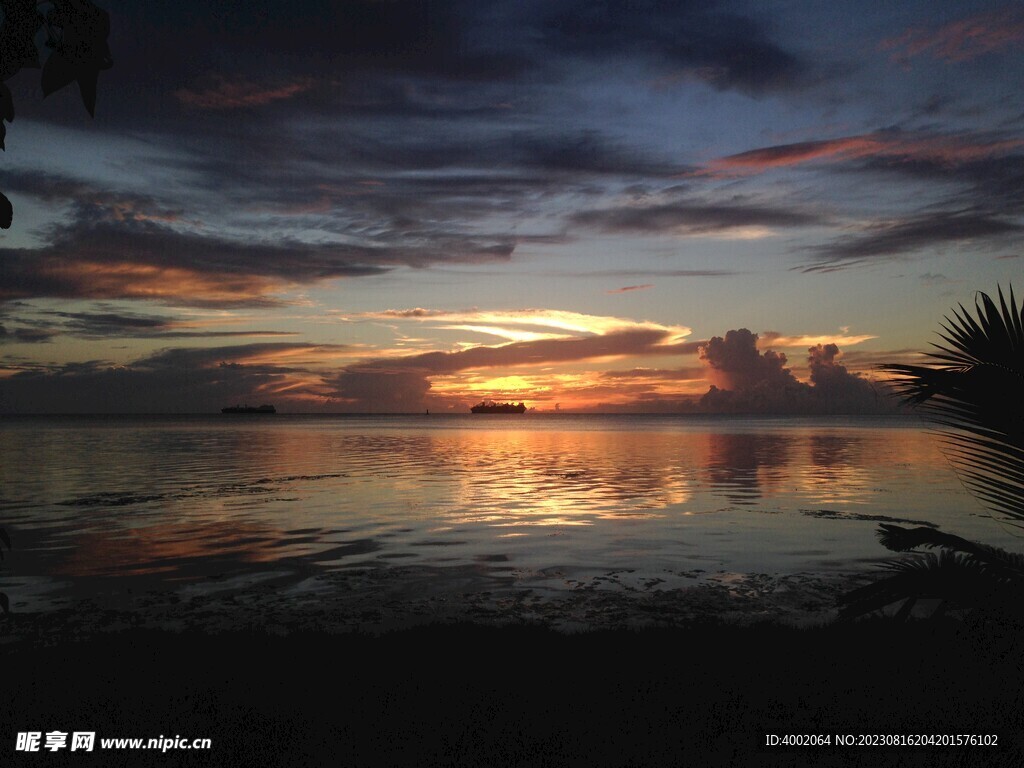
{"x":467,"y":694}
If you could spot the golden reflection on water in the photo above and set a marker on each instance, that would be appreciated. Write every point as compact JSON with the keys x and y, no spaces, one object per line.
{"x":566,"y":478}
{"x":192,"y":498}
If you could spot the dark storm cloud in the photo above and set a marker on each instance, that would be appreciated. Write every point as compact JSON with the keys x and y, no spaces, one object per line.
{"x":695,"y":37}
{"x":691,"y":218}
{"x":896,"y":238}
{"x":750,"y":381}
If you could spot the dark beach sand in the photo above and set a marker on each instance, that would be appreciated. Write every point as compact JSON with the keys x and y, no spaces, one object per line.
{"x":397,"y":674}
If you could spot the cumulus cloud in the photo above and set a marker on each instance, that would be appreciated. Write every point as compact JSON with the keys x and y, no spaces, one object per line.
{"x":736,"y":363}
{"x":835,"y":388}
{"x":747,"y":380}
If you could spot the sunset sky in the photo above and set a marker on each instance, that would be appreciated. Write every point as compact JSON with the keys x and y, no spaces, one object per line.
{"x":394,"y":205}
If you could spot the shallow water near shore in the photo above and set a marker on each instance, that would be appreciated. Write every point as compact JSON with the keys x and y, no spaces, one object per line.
{"x":548,"y":506}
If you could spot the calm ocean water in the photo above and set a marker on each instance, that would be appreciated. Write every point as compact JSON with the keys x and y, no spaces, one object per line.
{"x":97,"y":504}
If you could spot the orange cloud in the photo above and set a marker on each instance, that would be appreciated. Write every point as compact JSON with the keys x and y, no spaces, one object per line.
{"x":946,"y":150}
{"x":961,"y":40}
{"x":127,"y":280}
{"x":772,"y":339}
{"x":440,"y":380}
{"x":512,"y":334}
{"x":515,"y":324}
{"x":576,"y":391}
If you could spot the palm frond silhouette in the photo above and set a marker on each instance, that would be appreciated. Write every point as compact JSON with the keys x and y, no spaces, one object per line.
{"x":973,"y":390}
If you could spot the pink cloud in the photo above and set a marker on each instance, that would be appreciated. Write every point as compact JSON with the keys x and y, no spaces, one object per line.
{"x":947,"y":150}
{"x":234,"y":94}
{"x":960,"y":40}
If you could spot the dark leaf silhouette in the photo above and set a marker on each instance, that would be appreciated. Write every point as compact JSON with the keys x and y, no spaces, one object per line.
{"x":973,"y":392}
{"x":963,"y":571}
{"x":5,"y":603}
{"x":6,"y":212}
{"x":17,"y":37}
{"x":946,"y":576}
{"x":6,"y":103}
{"x":57,"y":72}
{"x":78,"y":34}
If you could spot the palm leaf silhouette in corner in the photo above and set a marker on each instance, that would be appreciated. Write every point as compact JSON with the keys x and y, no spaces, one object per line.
{"x":974,"y":392}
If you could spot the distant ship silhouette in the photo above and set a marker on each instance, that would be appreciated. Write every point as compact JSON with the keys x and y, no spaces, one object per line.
{"x":249,"y":409}
{"x":489,"y":406}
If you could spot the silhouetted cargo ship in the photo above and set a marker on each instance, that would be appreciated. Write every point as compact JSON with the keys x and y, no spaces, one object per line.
{"x":489,"y":406}
{"x":249,"y":409}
